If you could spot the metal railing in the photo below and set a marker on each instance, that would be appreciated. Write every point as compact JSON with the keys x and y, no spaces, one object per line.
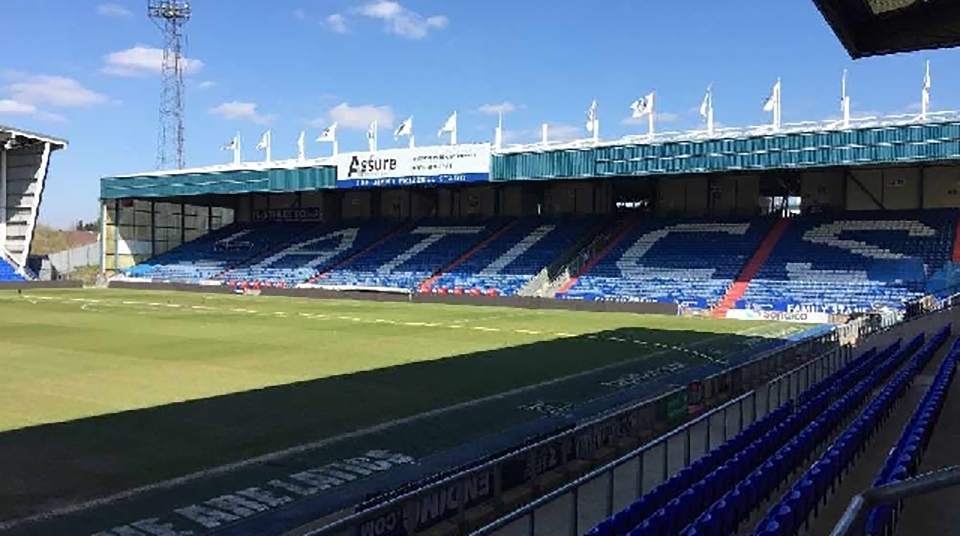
{"x":852,"y":522}
{"x":578,"y":506}
{"x":502,"y":480}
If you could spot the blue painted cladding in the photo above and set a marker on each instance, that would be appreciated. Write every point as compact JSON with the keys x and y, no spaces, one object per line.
{"x":226,"y":183}
{"x":878,"y":145}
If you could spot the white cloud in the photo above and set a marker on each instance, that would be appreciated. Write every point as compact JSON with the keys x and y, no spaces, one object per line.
{"x":300,"y":14}
{"x":357,"y":117}
{"x":207,"y":84}
{"x":142,"y":60}
{"x":337,"y":23}
{"x":659,"y":117}
{"x":498,"y":108}
{"x":245,"y":111}
{"x":113,"y":10}
{"x":402,"y":21}
{"x":12,"y":107}
{"x":56,"y":91}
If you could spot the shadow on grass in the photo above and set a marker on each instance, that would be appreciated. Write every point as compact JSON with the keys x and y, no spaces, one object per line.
{"x":75,"y":461}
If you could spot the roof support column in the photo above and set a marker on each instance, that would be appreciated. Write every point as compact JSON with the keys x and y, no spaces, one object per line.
{"x":3,"y":197}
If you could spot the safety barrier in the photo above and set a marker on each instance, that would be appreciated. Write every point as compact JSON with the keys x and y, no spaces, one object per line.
{"x":588,"y":500}
{"x":505,"y":481}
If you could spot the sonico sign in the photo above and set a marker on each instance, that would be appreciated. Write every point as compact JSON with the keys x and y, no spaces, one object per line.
{"x":445,"y":164}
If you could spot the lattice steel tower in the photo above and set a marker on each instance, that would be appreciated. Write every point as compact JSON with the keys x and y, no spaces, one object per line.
{"x":171,"y":16}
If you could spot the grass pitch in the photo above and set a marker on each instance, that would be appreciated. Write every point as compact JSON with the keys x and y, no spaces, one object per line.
{"x":107,"y":390}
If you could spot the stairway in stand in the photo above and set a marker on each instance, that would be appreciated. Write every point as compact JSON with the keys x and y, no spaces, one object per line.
{"x":739,"y":286}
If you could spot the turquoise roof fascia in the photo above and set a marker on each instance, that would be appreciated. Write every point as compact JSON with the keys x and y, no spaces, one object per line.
{"x":927,"y":142}
{"x":222,"y":183}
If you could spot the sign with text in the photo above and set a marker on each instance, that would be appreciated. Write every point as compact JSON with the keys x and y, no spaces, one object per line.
{"x":444,"y":164}
{"x":779,"y":316}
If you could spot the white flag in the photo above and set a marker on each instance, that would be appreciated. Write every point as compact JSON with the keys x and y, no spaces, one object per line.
{"x":328,"y":134}
{"x":301,"y":147}
{"x":230,"y":145}
{"x":592,"y":117}
{"x":773,"y":100}
{"x":707,"y":105}
{"x":450,"y":126}
{"x":264,"y":142}
{"x":642,"y":106}
{"x":405,"y":128}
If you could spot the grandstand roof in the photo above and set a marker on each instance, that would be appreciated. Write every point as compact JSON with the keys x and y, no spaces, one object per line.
{"x":877,"y":27}
{"x":16,"y":138}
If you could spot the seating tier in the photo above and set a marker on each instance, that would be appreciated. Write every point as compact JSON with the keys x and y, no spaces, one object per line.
{"x":518,"y":254}
{"x":854,"y":262}
{"x":408,"y":258}
{"x":690,"y":262}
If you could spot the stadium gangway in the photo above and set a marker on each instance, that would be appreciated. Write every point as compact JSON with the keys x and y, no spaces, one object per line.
{"x":577,"y":520}
{"x":716,"y":426}
{"x":854,"y":519}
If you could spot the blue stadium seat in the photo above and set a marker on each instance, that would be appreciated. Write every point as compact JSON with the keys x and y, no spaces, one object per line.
{"x":688,"y":262}
{"x":854,"y":262}
{"x":310,"y":254}
{"x":212,"y":254}
{"x":410,"y":257}
{"x":518,"y":254}
{"x":722,"y":489}
{"x":8,"y":273}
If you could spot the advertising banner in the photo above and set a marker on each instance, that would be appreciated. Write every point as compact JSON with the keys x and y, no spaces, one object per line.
{"x":288,"y":214}
{"x":443,"y":164}
{"x":779,"y":316}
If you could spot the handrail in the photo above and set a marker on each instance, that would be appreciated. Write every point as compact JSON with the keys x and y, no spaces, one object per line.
{"x":856,"y":514}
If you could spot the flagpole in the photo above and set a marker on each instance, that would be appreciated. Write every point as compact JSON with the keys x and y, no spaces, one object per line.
{"x":653,"y":102}
{"x":776,"y":109}
{"x":336,"y":147}
{"x":411,"y":141}
{"x":925,"y":97}
{"x":301,"y":150}
{"x":845,"y":100}
{"x":237,"y":158}
{"x":543,"y":134}
{"x":498,"y":134}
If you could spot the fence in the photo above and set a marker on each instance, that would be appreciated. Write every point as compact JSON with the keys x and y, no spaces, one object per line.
{"x":507,"y":481}
{"x":68,"y":261}
{"x":581,"y":504}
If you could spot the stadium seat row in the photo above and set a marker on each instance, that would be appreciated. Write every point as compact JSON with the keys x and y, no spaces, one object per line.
{"x":904,"y":458}
{"x":791,"y":512}
{"x":718,"y":491}
{"x":8,"y":273}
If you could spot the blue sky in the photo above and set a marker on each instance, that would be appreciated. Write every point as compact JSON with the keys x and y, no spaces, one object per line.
{"x":88,"y":71}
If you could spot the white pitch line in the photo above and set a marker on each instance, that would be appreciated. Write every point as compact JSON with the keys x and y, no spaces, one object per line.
{"x":306,"y":447}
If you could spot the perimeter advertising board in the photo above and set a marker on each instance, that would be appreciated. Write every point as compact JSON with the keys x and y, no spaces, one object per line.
{"x":444,"y":164}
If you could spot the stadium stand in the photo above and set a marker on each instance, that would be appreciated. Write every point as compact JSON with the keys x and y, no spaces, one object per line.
{"x":407,"y":259}
{"x":210,"y":255}
{"x":834,"y":264}
{"x":314,"y":252}
{"x":854,"y":262}
{"x":717,"y":493}
{"x":504,"y":265}
{"x":689,"y":262}
{"x":8,"y":273}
